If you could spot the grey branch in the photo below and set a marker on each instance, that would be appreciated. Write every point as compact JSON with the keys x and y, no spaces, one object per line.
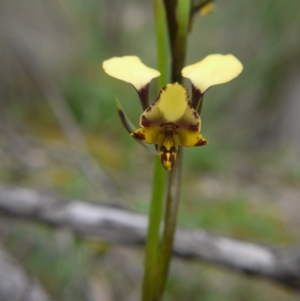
{"x":119,"y":226}
{"x":15,"y":284}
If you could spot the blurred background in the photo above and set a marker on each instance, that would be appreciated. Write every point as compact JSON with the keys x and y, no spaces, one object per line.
{"x":60,"y":133}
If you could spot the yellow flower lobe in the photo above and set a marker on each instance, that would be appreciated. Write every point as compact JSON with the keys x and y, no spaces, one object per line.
{"x":213,"y":70}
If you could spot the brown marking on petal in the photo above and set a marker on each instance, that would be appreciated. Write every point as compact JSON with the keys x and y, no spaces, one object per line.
{"x":164,"y":88}
{"x":160,"y":92}
{"x":163,"y":156}
{"x":168,"y":158}
{"x":195,"y":114}
{"x":149,"y":109}
{"x":156,"y":100}
{"x":193,"y":127}
{"x":138,"y":135}
{"x":145,"y":122}
{"x":201,"y":142}
{"x":167,"y":152}
{"x":172,"y":157}
{"x":187,"y":97}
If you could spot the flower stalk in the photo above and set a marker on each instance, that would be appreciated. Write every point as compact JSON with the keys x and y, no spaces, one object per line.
{"x":152,"y":242}
{"x":159,"y":177}
{"x":174,"y":177}
{"x":170,"y":221}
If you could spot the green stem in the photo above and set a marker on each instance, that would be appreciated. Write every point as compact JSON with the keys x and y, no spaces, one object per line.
{"x":149,"y":281}
{"x":173,"y":197}
{"x":180,"y":43}
{"x":149,"y":286}
{"x":161,"y":42}
{"x":174,"y":183}
{"x":157,"y":260}
{"x":170,"y":6}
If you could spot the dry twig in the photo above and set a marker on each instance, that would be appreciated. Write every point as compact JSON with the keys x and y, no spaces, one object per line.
{"x":94,"y":221}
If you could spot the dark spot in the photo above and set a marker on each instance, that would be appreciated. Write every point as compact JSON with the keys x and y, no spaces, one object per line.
{"x":196,"y":115}
{"x":164,"y":88}
{"x":149,"y":109}
{"x":162,"y":148}
{"x":158,"y":96}
{"x":163,"y":157}
{"x":138,"y":136}
{"x":193,"y":127}
{"x":201,"y":142}
{"x":172,"y":158}
{"x":145,"y":122}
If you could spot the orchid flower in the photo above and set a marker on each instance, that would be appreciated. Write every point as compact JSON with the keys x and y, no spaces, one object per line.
{"x":172,"y":120}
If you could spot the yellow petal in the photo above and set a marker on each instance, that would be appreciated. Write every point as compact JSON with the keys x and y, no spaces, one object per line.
{"x":172,"y":106}
{"x":188,"y":138}
{"x":148,"y":135}
{"x":213,"y":70}
{"x":131,"y":70}
{"x":171,"y":103}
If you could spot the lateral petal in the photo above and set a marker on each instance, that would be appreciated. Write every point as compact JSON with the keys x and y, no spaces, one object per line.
{"x":148,"y":135}
{"x":189,"y":138}
{"x":131,"y":70}
{"x":213,"y":70}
